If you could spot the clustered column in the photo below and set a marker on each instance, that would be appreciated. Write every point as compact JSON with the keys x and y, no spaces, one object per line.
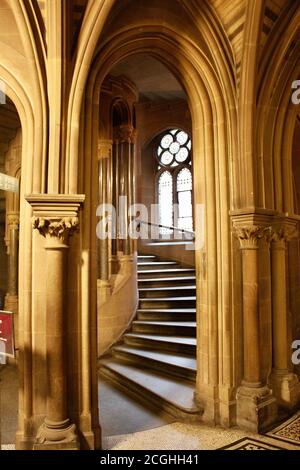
{"x":56,"y":219}
{"x":256,"y":407}
{"x":284,"y":383}
{"x":123,"y":185}
{"x":105,"y":182}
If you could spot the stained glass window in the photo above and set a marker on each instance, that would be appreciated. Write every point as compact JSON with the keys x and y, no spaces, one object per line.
{"x":174,"y":148}
{"x":175,"y":180}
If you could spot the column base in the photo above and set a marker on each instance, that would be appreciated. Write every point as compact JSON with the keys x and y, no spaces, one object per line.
{"x":57,"y":436}
{"x":286,"y":389}
{"x":256,"y":408}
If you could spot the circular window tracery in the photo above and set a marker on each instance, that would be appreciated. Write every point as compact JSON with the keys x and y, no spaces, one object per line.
{"x":174,"y":148}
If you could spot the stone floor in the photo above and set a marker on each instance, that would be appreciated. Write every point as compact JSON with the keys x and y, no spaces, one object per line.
{"x":8,"y":403}
{"x":127,"y":425}
{"x":180,"y":436}
{"x":119,"y":412}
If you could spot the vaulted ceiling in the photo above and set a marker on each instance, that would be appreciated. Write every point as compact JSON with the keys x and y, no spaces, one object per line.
{"x":231,"y":14}
{"x":153,"y":80}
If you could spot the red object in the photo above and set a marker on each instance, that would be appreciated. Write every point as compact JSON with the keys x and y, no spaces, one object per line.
{"x":7,"y":347}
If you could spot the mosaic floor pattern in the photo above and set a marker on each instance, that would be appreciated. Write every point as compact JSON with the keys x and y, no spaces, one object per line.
{"x":289,"y":431}
{"x":250,"y":444}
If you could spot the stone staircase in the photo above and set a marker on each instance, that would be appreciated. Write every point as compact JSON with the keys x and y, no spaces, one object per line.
{"x":156,"y":360}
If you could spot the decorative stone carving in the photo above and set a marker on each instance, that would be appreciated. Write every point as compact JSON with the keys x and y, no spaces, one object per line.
{"x":125,"y":133}
{"x":58,"y":228}
{"x":250,"y":235}
{"x":13,"y":220}
{"x":284,"y":233}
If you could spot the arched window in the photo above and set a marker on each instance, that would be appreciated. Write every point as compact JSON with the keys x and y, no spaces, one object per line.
{"x":184,"y":188}
{"x":175,"y":181}
{"x":165,"y":200}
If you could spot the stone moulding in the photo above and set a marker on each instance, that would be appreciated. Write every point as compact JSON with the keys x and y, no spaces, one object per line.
{"x":55,"y":216}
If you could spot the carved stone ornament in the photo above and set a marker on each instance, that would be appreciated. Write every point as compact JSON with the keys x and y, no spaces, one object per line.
{"x":284,"y":233}
{"x":250,"y":235}
{"x":13,"y":220}
{"x":125,"y":133}
{"x":58,"y":228}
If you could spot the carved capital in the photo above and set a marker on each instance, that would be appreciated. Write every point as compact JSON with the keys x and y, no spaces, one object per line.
{"x":125,"y":133}
{"x":284,"y":233}
{"x":250,"y":235}
{"x":56,"y":228}
{"x":55,"y":216}
{"x":13,"y":220}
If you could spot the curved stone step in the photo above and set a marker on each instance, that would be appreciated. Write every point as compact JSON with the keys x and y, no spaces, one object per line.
{"x":172,"y":281}
{"x":170,"y":363}
{"x":162,"y":265}
{"x":148,"y":292}
{"x":168,"y":314}
{"x":162,"y":272}
{"x":168,"y":394}
{"x":175,"y":328}
{"x":165,"y":302}
{"x":182,"y":344}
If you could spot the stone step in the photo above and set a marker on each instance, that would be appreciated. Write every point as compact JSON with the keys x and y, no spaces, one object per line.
{"x":175,"y":364}
{"x":168,"y":394}
{"x":149,"y":273}
{"x":146,"y":257}
{"x":168,"y":302}
{"x":181,"y":344}
{"x":179,"y":328}
{"x":147,"y":292}
{"x":168,"y":314}
{"x":166,"y":281}
{"x":146,"y":265}
{"x":172,"y":243}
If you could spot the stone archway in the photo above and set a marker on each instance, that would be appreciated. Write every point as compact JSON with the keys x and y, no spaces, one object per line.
{"x":209,"y":112}
{"x":22,"y":169}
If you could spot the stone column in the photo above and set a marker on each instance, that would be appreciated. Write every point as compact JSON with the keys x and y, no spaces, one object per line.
{"x":256,"y":406}
{"x":132,"y":180}
{"x":115,"y":191}
{"x":11,"y":299}
{"x":56,"y":219}
{"x":104,"y":254}
{"x":125,"y":138}
{"x":284,"y":383}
